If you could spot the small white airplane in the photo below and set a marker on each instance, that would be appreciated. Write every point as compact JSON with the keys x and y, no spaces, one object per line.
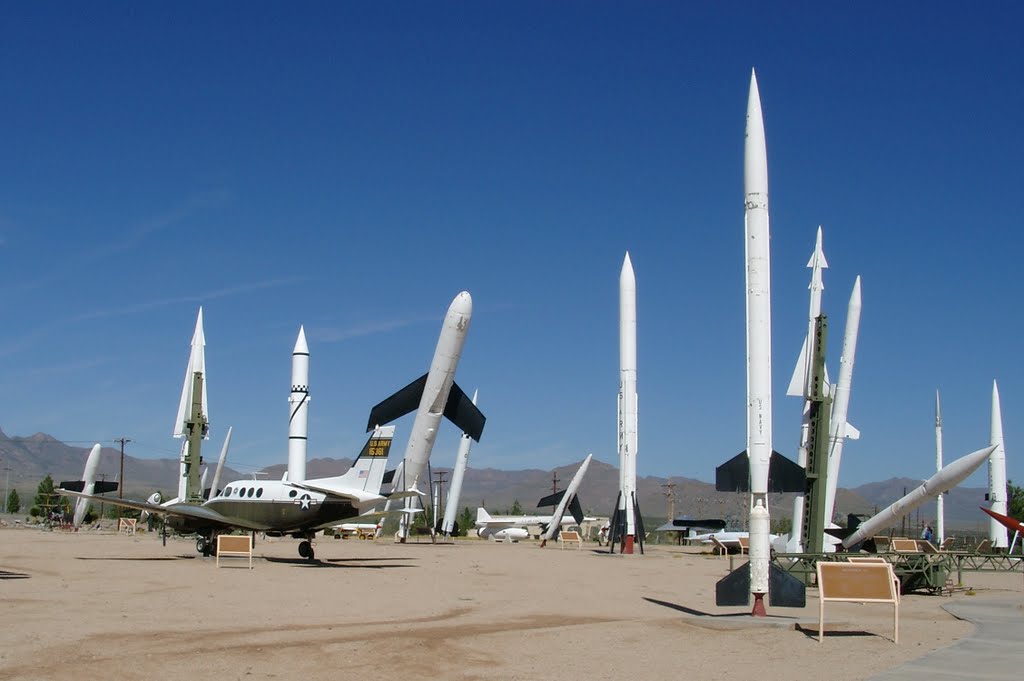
{"x":730,"y":539}
{"x":514,"y":527}
{"x":280,"y":507}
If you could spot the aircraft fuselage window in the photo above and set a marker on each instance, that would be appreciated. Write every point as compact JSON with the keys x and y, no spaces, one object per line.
{"x":249,"y":493}
{"x":292,"y":493}
{"x":259,"y":492}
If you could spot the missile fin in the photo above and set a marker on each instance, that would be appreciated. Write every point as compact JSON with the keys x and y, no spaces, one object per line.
{"x":785,"y":590}
{"x":576,"y":510}
{"x":461,"y":411}
{"x":851,"y":432}
{"x":398,"y":405}
{"x":799,"y":380}
{"x":551,"y":499}
{"x":784,"y":475}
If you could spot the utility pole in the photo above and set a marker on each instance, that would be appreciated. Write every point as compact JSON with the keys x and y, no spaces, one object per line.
{"x":554,"y":482}
{"x":7,"y":486}
{"x":103,"y":477}
{"x":670,"y":497}
{"x":120,"y":487}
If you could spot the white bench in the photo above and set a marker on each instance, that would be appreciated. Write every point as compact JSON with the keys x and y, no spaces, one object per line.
{"x":566,"y":536}
{"x":234,"y":545}
{"x":858,"y":582}
{"x":126,"y":525}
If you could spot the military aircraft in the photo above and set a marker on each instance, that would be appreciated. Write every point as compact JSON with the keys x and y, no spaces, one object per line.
{"x":281,"y":507}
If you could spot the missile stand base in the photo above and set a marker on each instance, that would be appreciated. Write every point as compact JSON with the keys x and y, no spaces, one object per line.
{"x":758,"y":610}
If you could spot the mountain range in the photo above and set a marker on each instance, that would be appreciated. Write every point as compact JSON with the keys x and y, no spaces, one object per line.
{"x":27,"y":460}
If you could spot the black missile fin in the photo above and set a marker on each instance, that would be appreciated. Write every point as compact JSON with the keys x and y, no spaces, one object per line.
{"x":576,"y":510}
{"x":551,"y":499}
{"x":784,"y":475}
{"x":398,"y":405}
{"x":72,"y":485}
{"x":389,"y":477}
{"x":460,"y":410}
{"x":785,"y":590}
{"x":734,"y":588}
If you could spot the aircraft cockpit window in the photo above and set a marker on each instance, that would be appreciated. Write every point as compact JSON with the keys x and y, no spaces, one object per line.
{"x":259,"y":492}
{"x":292,"y":493}
{"x":226,"y":492}
{"x":249,"y":493}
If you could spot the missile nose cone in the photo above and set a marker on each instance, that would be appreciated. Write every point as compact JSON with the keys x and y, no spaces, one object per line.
{"x":198,"y":337}
{"x":627,"y":279}
{"x":301,"y":348}
{"x":755,"y":158}
{"x":855,"y":296}
{"x":463,"y":304}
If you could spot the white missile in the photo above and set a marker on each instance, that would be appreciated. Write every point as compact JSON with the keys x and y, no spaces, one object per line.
{"x":196,"y":362}
{"x":298,"y":407}
{"x":567,"y":497}
{"x":946,"y":479}
{"x":451,"y":508}
{"x":839,"y":428}
{"x":439,"y":383}
{"x":799,"y":384}
{"x":940,"y":515}
{"x":627,"y":401}
{"x":220,"y":464}
{"x":89,"y":477}
{"x":433,"y":395}
{"x":759,"y":334}
{"x":997,"y":474}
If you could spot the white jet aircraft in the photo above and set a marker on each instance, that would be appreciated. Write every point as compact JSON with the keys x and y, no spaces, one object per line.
{"x":514,"y":527}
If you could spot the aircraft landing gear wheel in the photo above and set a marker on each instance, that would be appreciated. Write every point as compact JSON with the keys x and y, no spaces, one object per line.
{"x":306,"y":550}
{"x":202,"y":546}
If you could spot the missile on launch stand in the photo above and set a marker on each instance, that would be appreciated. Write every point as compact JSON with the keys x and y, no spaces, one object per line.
{"x":840,"y":429}
{"x":298,"y":408}
{"x":193,"y":418}
{"x":448,"y":524}
{"x":569,"y":500}
{"x":754,"y":576}
{"x":940,"y":513}
{"x":626,"y":515}
{"x":433,"y":395}
{"x":949,"y":477}
{"x":800,"y":383}
{"x":997,"y":474}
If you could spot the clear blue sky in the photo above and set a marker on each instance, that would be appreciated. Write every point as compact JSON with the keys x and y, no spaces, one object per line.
{"x":353,"y":166}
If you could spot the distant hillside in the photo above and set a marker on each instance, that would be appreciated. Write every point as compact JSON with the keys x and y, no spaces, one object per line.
{"x":31,"y":458}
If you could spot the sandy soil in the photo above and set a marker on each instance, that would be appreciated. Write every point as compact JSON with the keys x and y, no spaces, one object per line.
{"x":130,"y":608}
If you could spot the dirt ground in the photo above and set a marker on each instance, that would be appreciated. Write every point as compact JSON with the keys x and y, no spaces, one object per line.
{"x":130,"y":608}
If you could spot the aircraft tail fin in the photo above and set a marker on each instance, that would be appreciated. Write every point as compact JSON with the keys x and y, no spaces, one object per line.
{"x":367,"y":472}
{"x":482,"y":516}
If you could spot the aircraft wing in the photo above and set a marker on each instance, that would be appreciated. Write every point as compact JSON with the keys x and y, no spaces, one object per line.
{"x":179,"y":509}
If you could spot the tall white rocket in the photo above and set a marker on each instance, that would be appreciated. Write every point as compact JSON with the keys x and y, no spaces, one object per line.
{"x":997,"y":474}
{"x":298,"y":406}
{"x":759,"y":341}
{"x":451,"y":508}
{"x":799,"y":384}
{"x":839,"y":428}
{"x":627,"y":401}
{"x":196,"y":363}
{"x":940,"y":514}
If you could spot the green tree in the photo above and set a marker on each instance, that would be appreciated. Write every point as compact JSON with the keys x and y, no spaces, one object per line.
{"x":13,"y":502}
{"x":46,"y":497}
{"x":517,"y":508}
{"x":1015,"y":500}
{"x":783,"y":525}
{"x":465,"y":521}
